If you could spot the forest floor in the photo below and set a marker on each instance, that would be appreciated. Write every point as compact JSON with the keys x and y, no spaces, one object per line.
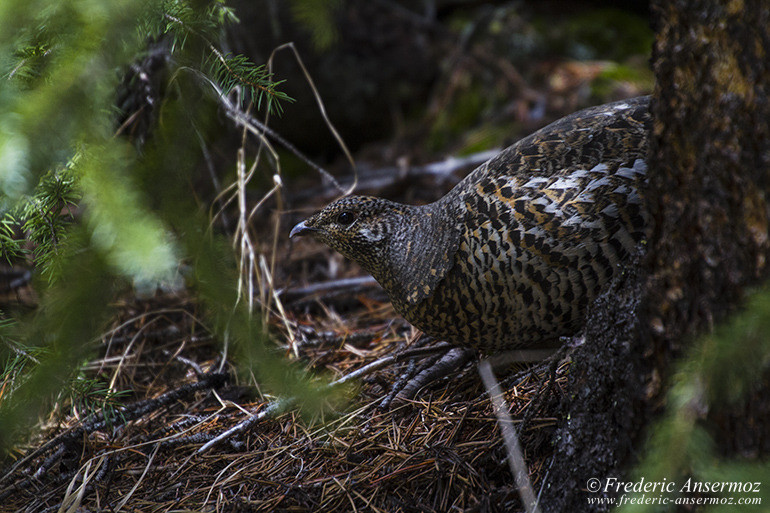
{"x":158,"y":442}
{"x":141,"y":449}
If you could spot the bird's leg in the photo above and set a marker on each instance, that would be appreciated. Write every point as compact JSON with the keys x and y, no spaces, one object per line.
{"x":421,"y":348}
{"x":446,"y":364}
{"x":399,"y":384}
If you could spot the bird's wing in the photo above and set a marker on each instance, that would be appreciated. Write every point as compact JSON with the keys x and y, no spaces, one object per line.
{"x":567,"y":188}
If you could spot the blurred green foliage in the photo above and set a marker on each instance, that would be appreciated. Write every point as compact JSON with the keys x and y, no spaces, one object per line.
{"x":317,"y":17}
{"x":465,"y":111}
{"x":721,"y":372}
{"x":603,"y":85}
{"x":92,"y":212}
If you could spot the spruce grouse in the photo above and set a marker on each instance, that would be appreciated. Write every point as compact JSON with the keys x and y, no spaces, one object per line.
{"x":512,"y":256}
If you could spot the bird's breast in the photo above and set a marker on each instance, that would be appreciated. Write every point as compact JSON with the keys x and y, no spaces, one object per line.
{"x":533,"y":253}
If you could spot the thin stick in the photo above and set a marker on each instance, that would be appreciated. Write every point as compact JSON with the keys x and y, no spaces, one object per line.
{"x":510,"y":438}
{"x":322,"y":110}
{"x":147,"y":467}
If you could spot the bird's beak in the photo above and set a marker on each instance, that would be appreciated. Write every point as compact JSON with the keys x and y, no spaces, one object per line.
{"x":301,"y":229}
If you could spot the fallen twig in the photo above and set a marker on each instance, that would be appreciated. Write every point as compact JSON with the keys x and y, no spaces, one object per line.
{"x":279,"y":405}
{"x":511,"y":440}
{"x":380,"y":178}
{"x":328,"y":286}
{"x":97,"y":421}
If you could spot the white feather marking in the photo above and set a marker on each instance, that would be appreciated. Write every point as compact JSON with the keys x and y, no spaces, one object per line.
{"x":610,"y":210}
{"x":563,"y":182}
{"x":535,"y":182}
{"x":595,"y":184}
{"x":621,"y":189}
{"x":580,"y":173}
{"x":600,"y":168}
{"x":370,"y":235}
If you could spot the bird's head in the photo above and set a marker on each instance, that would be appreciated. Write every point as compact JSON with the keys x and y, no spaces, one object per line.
{"x":359,"y":227}
{"x":408,"y":249}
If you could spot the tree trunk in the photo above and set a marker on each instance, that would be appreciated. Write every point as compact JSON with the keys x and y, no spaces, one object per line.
{"x":709,"y":161}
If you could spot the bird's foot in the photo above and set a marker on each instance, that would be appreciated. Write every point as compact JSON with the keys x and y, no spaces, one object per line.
{"x":415,"y":378}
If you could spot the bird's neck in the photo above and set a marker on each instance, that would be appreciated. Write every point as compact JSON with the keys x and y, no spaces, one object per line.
{"x":420,"y":253}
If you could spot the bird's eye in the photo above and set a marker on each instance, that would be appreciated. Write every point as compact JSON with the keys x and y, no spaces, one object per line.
{"x":345,"y":218}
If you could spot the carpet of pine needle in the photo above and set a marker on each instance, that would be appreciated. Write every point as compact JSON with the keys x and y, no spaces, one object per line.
{"x":137,"y":451}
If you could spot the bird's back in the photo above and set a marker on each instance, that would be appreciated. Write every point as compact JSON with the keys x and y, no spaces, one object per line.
{"x":541,"y":229}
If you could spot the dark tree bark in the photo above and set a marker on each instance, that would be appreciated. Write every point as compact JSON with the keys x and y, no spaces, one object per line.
{"x":709,"y":187}
{"x":709,"y":168}
{"x":710,"y":160}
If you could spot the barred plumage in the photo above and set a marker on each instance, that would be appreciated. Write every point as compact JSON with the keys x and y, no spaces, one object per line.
{"x":514,"y":253}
